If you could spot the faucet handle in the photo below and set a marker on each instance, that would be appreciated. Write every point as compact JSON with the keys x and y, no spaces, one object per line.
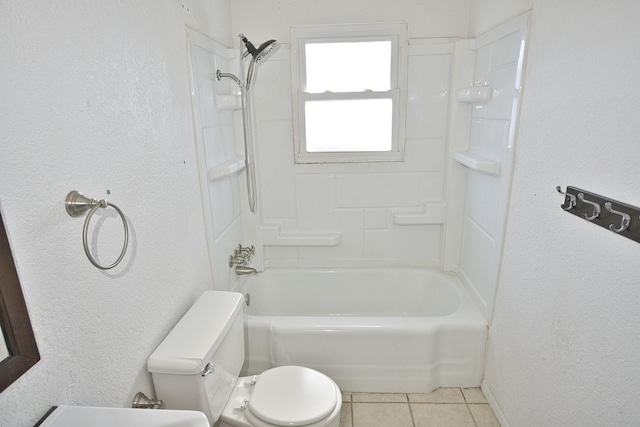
{"x":241,"y":255}
{"x":238,"y":259}
{"x":247,"y":250}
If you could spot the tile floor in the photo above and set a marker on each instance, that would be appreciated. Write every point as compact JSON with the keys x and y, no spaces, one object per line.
{"x":444,"y":407}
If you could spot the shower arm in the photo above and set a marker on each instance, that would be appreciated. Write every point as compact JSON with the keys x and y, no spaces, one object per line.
{"x":220,"y":75}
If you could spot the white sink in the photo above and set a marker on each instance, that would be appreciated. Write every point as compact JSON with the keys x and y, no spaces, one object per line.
{"x":89,"y":416}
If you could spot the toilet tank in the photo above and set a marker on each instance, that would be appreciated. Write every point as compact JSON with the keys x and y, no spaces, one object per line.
{"x":197,"y":364}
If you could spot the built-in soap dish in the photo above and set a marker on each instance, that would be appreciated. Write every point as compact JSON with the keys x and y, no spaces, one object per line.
{"x":478,"y":94}
{"x":228,"y":102}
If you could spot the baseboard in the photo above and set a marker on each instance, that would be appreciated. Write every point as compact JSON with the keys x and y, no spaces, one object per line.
{"x":494,"y":404}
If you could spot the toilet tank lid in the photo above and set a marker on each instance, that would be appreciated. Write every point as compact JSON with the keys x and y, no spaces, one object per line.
{"x":191,"y":343}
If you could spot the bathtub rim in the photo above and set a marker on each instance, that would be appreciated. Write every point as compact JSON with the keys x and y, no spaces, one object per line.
{"x":467,"y":304}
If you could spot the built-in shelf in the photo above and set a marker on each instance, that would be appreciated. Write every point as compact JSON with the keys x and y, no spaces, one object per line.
{"x":428,"y":214}
{"x":477,"y":163}
{"x":272,"y":235}
{"x":227,"y":168}
{"x":475,"y":94}
{"x":228,"y":102}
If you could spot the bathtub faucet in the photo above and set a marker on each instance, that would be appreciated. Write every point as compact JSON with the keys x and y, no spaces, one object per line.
{"x":241,"y":255}
{"x":241,"y":258}
{"x":243,"y":269}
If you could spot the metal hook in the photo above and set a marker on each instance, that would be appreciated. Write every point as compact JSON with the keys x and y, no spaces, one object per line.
{"x":625,"y":222}
{"x":596,"y":208}
{"x":572,"y":199}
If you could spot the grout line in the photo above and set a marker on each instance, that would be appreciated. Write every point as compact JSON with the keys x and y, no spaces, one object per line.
{"x":441,"y":403}
{"x":472,"y":417}
{"x":463,"y":396}
{"x":353,"y":420}
{"x":413,"y":421}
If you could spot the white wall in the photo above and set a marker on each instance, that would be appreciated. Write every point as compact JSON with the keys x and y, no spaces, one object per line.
{"x":499,"y":62}
{"x":261,"y":20}
{"x":564,"y":342}
{"x":486,"y":14}
{"x":96,"y":97}
{"x":220,"y":158}
{"x":356,"y":201}
{"x":303,"y":206}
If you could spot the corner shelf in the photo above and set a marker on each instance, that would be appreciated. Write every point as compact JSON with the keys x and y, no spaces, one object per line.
{"x":477,"y":163}
{"x":227,"y":168}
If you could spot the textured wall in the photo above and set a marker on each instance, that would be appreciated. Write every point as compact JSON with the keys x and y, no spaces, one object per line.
{"x":95,"y":97}
{"x":564,"y":342}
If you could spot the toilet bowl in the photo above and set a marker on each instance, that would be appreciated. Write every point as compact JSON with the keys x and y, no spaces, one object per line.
{"x":284,"y":396}
{"x":197,"y":366}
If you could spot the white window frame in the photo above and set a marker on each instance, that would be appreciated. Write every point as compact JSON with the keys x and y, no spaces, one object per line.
{"x":396,"y":33}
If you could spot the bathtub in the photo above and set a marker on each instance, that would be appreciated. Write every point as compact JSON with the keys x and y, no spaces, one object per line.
{"x":371,"y":330}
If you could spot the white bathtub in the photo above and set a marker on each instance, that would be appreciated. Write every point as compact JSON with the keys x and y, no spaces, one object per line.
{"x":376,"y":330}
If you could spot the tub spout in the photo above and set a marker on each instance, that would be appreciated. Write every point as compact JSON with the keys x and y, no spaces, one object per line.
{"x":243,"y":269}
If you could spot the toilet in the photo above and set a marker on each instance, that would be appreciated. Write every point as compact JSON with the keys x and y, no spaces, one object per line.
{"x":197,"y":367}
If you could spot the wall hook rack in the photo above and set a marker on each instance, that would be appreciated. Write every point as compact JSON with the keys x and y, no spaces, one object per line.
{"x":621,"y":218}
{"x":570,"y":201}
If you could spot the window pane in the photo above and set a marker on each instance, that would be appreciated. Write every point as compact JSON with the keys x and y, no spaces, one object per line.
{"x":349,"y":125}
{"x":348,"y":67}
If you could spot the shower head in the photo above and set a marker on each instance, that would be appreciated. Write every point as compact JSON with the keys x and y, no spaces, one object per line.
{"x":264,"y":51}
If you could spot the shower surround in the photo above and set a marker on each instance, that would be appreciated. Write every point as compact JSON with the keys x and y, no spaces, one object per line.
{"x":444,"y":206}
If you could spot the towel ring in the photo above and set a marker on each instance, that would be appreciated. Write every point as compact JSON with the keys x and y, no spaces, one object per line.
{"x":76,"y":205}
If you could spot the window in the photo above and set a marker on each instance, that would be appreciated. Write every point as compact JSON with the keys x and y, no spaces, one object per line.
{"x":348,"y":91}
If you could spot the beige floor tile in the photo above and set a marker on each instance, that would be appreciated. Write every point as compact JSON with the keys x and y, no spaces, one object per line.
{"x":381,"y":415}
{"x":441,"y":415}
{"x":439,"y":395}
{"x":483,"y":415}
{"x":345,"y":415}
{"x":379,"y":397}
{"x":474,"y":395}
{"x":346,"y":397}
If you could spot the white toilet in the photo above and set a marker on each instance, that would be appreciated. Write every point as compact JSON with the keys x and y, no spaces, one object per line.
{"x":197,"y":366}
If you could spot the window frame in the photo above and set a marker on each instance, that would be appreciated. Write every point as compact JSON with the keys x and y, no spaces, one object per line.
{"x":396,"y":33}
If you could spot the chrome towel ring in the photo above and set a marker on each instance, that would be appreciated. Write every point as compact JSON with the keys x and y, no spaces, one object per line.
{"x":76,"y":205}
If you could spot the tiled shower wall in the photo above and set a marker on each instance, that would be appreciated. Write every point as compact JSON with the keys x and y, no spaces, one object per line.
{"x":360,"y":214}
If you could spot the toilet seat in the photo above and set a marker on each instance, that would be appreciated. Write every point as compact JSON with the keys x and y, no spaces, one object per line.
{"x":292,"y":396}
